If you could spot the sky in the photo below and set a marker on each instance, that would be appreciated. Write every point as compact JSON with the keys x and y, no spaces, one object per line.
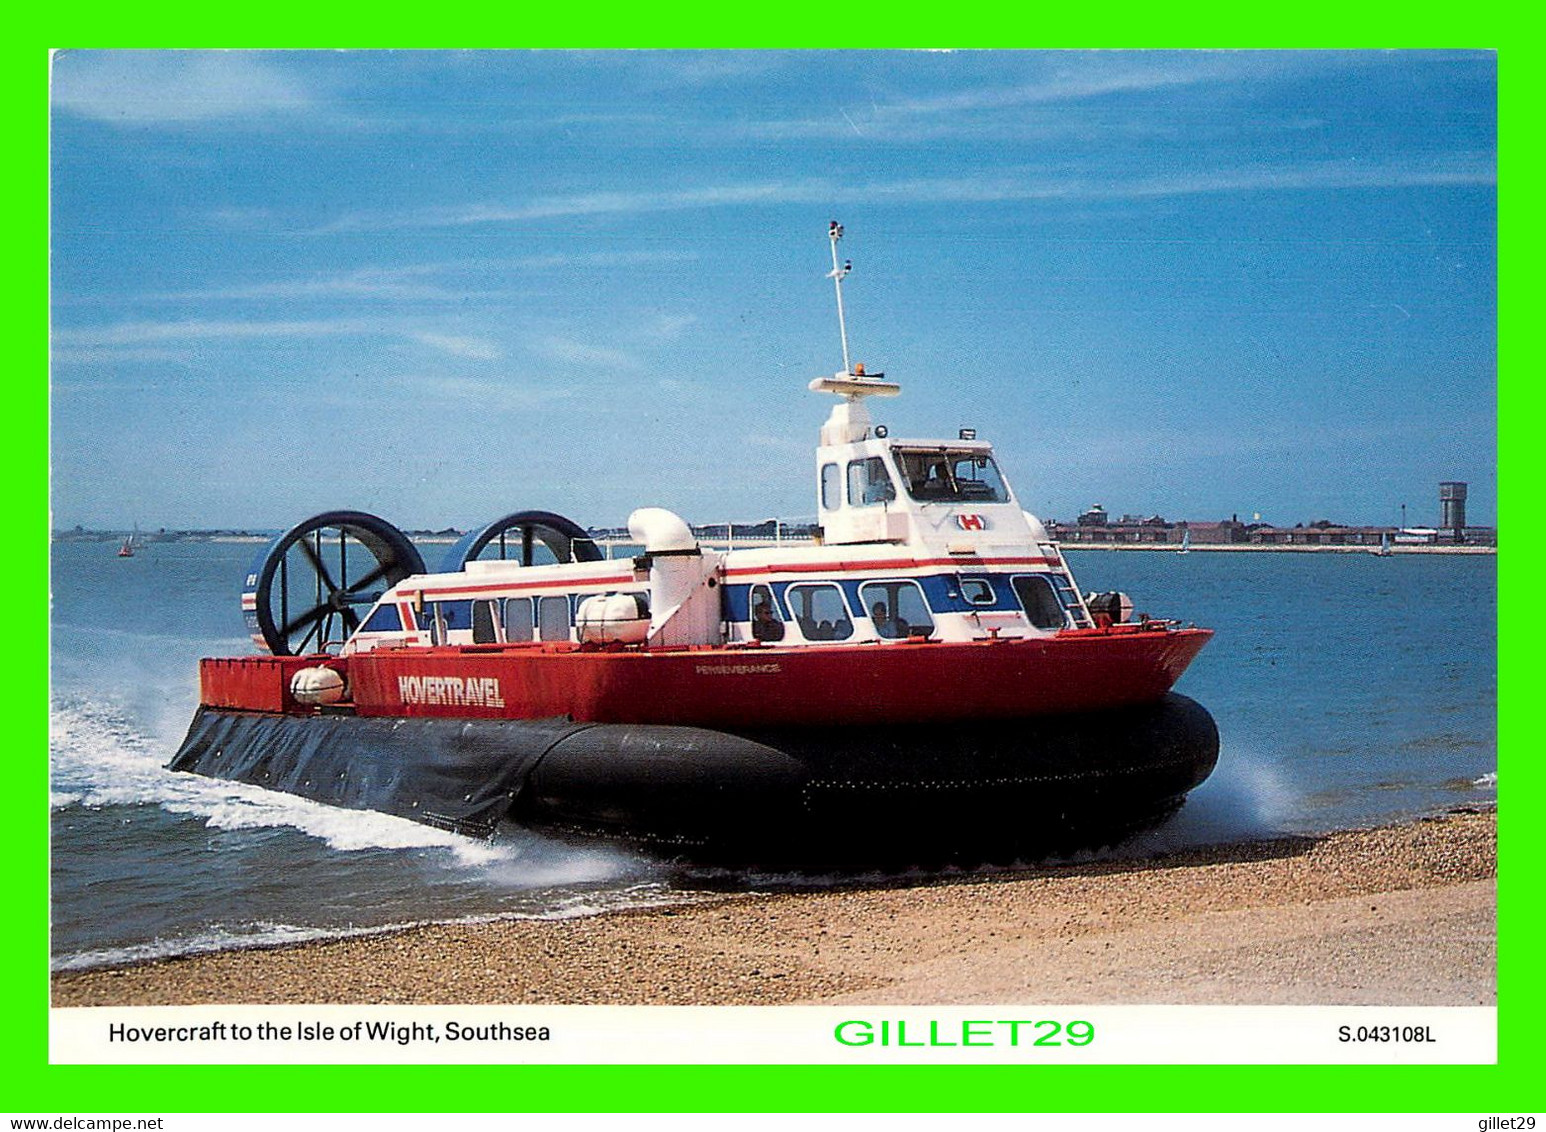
{"x":444,"y":286}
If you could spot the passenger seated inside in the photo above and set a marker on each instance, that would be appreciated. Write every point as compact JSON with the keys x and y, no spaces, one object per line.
{"x":765,"y":626}
{"x":936,"y":483}
{"x":886,"y":625}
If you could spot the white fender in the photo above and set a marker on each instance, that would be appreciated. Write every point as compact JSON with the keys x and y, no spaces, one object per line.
{"x":609,"y":618}
{"x":317,"y":686}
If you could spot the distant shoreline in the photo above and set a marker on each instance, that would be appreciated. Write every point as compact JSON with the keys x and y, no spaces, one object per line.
{"x":105,"y":538}
{"x":1254,"y":548}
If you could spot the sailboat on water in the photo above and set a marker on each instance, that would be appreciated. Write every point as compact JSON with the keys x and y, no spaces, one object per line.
{"x":131,"y":543}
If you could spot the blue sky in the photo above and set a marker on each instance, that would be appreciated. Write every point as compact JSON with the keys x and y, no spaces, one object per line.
{"x":442,"y":286}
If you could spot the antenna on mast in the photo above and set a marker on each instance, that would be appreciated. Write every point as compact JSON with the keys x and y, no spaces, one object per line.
{"x":837,"y":274}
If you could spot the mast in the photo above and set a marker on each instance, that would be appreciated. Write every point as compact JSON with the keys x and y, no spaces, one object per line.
{"x":851,"y":382}
{"x":837,"y":275}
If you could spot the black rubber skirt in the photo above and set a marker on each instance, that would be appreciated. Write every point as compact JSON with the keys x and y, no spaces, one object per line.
{"x":1039,"y":785}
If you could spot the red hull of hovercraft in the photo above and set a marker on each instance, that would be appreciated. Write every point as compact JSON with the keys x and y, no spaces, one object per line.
{"x":903,"y":682}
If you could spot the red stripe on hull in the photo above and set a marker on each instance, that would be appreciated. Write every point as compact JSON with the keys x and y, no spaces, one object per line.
{"x":567,"y":584}
{"x":857,"y":565}
{"x":778,"y":687}
{"x":958,"y":562}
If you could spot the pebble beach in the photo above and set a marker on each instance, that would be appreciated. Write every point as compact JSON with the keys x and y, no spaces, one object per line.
{"x":1398,"y":915}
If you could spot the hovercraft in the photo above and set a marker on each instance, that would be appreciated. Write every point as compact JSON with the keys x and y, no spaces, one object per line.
{"x":922,"y":674}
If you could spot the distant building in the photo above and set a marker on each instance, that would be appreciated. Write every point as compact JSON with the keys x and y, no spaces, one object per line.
{"x":1096,"y":528}
{"x":767,"y":528}
{"x":1319,"y":533}
{"x":1452,"y":508}
{"x":1226,"y":532}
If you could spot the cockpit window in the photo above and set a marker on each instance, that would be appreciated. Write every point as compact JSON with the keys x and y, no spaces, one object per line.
{"x":869,"y":483}
{"x":831,"y":487}
{"x":952,"y":476}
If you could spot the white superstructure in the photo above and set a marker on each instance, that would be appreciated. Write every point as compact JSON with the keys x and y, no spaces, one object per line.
{"x":919,"y":538}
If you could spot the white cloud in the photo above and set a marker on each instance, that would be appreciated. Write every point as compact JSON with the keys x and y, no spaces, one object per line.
{"x":396,"y":283}
{"x":195,"y":330}
{"x":664,"y":327}
{"x":416,"y":282}
{"x":693,"y":69}
{"x":478,"y":395}
{"x":148,"y":340}
{"x":1076,"y":81}
{"x":1012,"y":185}
{"x":155,"y":340}
{"x":587,"y":204}
{"x":133,"y":88}
{"x":1055,"y":94}
{"x":173,"y":339}
{"x":563,"y":260}
{"x":1450,"y":169}
{"x":242,"y":218}
{"x":109,"y":355}
{"x":458,"y":345}
{"x":571,"y":352}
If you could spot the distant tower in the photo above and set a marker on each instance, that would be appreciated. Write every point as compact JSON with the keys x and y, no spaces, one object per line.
{"x":1452,"y":508}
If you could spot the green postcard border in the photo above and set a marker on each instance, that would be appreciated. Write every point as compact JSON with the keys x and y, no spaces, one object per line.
{"x":33,"y":1085}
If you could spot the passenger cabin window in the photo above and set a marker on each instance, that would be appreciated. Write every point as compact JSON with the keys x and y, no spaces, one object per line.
{"x":457,"y":615}
{"x":385,"y":619}
{"x":898,"y":609}
{"x":820,"y":611}
{"x":553,"y":618}
{"x":767,"y":622}
{"x":442,"y":618}
{"x":483,"y":630}
{"x":1040,"y":601}
{"x":937,"y":475}
{"x":977,"y":591}
{"x":517,"y":620}
{"x":869,"y":483}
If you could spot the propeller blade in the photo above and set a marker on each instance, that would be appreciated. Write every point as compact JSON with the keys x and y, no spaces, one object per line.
{"x":317,"y":564}
{"x":315,"y":613}
{"x":301,"y":648}
{"x":375,"y":575}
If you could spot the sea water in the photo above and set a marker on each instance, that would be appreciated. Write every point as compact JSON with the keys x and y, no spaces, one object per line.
{"x":1349,"y":690}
